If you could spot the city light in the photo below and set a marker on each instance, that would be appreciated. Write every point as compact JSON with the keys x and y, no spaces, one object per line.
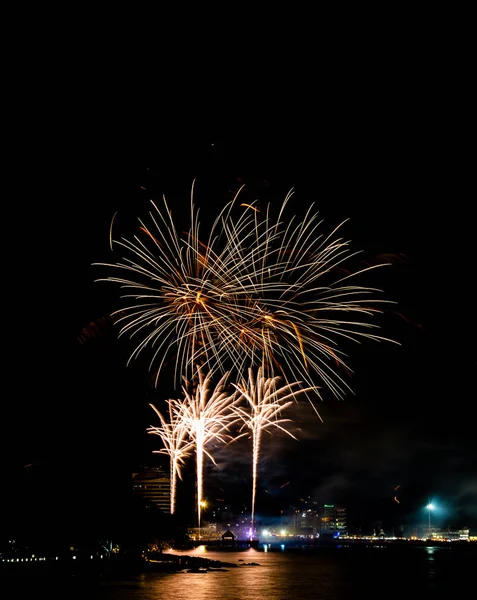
{"x":430,"y":507}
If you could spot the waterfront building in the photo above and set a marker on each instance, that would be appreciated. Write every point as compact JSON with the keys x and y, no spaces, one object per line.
{"x":154,"y":485}
{"x":310,"y":519}
{"x":333,"y":519}
{"x":305,"y":522}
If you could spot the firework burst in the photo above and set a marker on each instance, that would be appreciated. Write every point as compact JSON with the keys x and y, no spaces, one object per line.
{"x":254,"y":291}
{"x":206,"y":414}
{"x":265,"y":400}
{"x":173,"y":434}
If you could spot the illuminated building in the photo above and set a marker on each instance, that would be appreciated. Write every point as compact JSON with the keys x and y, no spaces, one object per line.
{"x":305,"y":522}
{"x":154,"y":485}
{"x":333,"y":519}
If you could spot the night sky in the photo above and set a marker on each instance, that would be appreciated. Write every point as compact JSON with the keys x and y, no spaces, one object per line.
{"x":77,"y":416}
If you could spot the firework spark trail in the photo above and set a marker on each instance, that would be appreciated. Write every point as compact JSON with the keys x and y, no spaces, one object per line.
{"x":174,"y":437}
{"x":255,"y":292}
{"x":206,"y":414}
{"x":265,"y":401}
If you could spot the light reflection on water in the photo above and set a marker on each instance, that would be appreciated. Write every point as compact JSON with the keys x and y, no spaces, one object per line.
{"x":331,"y":574}
{"x":275,"y":577}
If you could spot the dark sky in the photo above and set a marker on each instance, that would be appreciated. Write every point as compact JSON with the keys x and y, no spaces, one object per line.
{"x":393,"y":169}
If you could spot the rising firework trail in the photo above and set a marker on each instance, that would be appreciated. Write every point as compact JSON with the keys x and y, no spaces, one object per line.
{"x":176,"y":445}
{"x":205,"y":412}
{"x":264,"y":400}
{"x":254,"y":290}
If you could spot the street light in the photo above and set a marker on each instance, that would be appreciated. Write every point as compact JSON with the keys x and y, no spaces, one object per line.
{"x":430,"y":507}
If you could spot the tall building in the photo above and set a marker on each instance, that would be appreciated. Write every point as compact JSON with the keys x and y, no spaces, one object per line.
{"x":333,"y":519}
{"x":308,"y":518}
{"x":153,"y":484}
{"x":305,"y":522}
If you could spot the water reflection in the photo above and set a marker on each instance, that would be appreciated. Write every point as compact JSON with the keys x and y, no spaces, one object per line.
{"x":431,"y":567}
{"x":258,"y":576}
{"x":337,"y":574}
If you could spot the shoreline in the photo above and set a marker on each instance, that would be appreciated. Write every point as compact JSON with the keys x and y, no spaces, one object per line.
{"x":181,"y":560}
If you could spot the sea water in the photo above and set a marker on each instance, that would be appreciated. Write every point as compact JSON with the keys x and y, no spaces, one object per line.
{"x":338,"y":573}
